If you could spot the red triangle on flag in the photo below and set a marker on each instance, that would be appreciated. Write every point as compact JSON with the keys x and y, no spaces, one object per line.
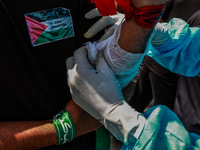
{"x":35,"y":28}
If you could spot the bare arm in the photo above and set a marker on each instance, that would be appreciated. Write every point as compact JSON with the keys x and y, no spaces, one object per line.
{"x":133,"y":37}
{"x":38,"y":134}
{"x":26,"y":135}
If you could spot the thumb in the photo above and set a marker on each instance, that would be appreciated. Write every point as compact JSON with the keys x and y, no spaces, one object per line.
{"x":70,"y":63}
{"x":101,"y":63}
{"x":108,"y":33}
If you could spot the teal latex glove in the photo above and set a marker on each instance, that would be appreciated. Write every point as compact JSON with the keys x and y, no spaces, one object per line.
{"x":164,"y":131}
{"x":109,"y":23}
{"x":160,"y":35}
{"x":181,"y":52}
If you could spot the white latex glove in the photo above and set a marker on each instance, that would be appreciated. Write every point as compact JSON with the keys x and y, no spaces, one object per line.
{"x":98,"y":92}
{"x":106,"y":21}
{"x":82,"y":78}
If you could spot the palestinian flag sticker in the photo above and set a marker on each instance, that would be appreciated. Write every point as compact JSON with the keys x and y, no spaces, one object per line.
{"x":49,"y":25}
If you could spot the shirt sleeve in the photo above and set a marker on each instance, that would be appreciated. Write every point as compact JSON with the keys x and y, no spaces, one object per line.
{"x":181,"y":53}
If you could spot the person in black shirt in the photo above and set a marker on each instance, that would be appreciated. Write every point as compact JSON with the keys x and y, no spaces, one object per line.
{"x":36,"y":39}
{"x":33,"y":79}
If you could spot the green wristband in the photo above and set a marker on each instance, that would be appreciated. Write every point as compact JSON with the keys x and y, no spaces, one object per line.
{"x":65,"y":128}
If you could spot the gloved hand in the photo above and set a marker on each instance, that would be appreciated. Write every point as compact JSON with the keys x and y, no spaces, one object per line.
{"x":82,"y":78}
{"x":109,"y":23}
{"x":160,"y":35}
{"x":98,"y":92}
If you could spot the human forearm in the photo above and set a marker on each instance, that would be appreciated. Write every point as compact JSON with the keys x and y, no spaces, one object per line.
{"x":84,"y":122}
{"x":23,"y":135}
{"x":133,"y":37}
{"x":126,"y":48}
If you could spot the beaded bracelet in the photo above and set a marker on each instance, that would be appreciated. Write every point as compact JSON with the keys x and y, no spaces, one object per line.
{"x":65,"y":127}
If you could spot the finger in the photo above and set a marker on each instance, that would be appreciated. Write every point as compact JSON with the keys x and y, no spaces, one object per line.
{"x":119,"y":17}
{"x":80,"y":58}
{"x":70,"y":63}
{"x":92,"y":14}
{"x":70,"y":66}
{"x":108,"y":33}
{"x":101,"y":64}
{"x":99,"y":26}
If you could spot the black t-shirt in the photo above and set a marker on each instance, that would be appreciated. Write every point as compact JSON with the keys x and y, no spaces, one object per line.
{"x":33,"y":81}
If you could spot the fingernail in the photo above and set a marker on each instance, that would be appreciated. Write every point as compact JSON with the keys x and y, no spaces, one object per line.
{"x":87,"y":35}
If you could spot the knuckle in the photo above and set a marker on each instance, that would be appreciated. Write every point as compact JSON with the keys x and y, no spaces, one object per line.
{"x":69,"y":60}
{"x":79,"y":51}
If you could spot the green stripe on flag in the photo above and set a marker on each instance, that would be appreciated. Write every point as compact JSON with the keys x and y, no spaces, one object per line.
{"x":54,"y":35}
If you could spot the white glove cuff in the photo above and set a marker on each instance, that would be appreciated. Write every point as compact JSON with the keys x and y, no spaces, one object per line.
{"x":124,"y":122}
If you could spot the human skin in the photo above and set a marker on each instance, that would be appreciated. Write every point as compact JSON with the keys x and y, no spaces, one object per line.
{"x":136,"y":39}
{"x":23,"y":135}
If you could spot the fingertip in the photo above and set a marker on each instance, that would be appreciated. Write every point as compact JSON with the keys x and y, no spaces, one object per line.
{"x":81,"y":57}
{"x":85,"y":35}
{"x":88,"y":35}
{"x":70,"y":63}
{"x":108,"y":33}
